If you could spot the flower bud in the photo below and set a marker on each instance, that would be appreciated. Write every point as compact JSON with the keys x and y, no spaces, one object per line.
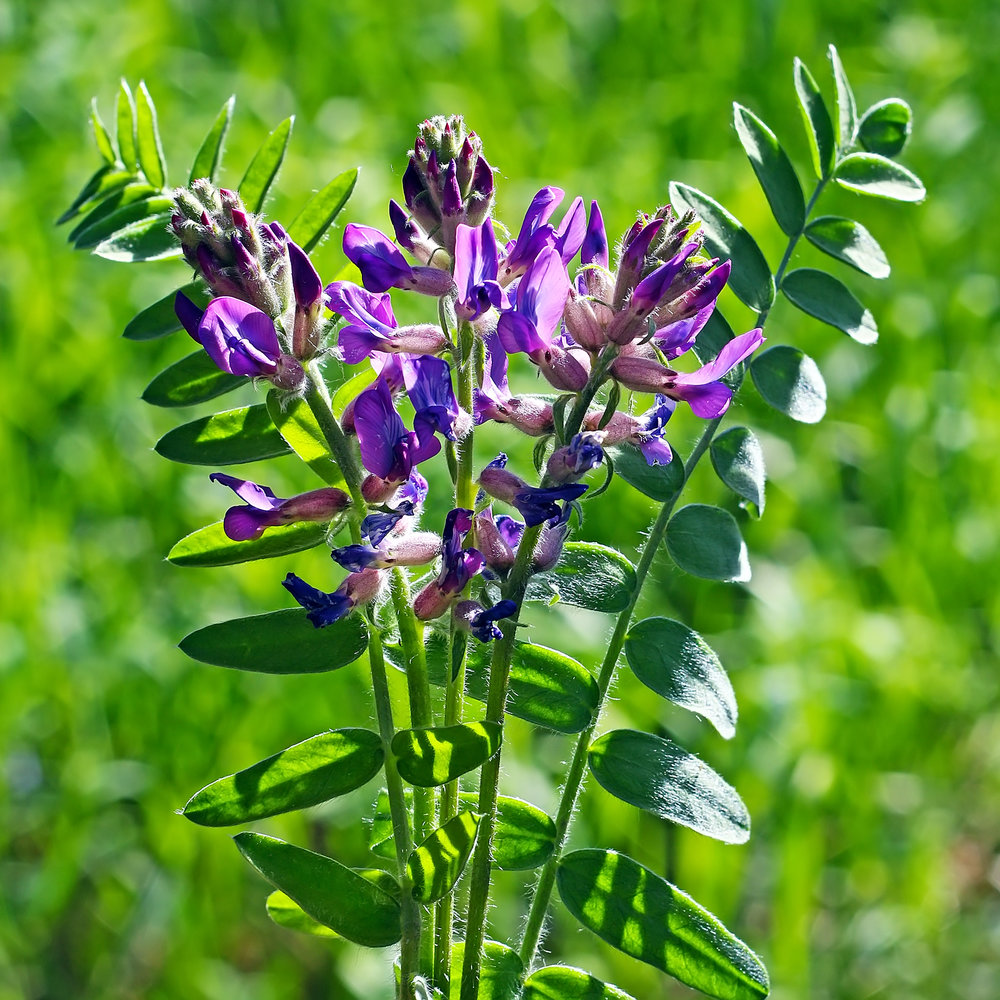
{"x":572,"y":461}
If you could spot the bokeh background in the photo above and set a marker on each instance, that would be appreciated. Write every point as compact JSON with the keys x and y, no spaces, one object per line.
{"x":863,"y":652}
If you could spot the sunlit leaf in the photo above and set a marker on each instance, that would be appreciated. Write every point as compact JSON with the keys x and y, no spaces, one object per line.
{"x":773,"y":169}
{"x":351,"y":389}
{"x":589,"y":576}
{"x":725,"y":237}
{"x":657,"y":775}
{"x":147,"y":239}
{"x":279,"y":642}
{"x":232,"y":437}
{"x":128,"y":151}
{"x":326,"y":890}
{"x":499,"y":977}
{"x":879,"y":177}
{"x":206,"y":162}
{"x":304,"y":775}
{"x":437,"y":755}
{"x":563,"y":982}
{"x":159,"y":319}
{"x":102,"y":184}
{"x":676,"y":663}
{"x":659,"y":482}
{"x":285,"y":912}
{"x":148,"y":139}
{"x":194,"y":379}
{"x":819,"y":128}
{"x":738,"y":460}
{"x":791,"y":382}
{"x":210,"y":546}
{"x":264,"y":166}
{"x":850,"y":242}
{"x":643,"y":915}
{"x":885,"y":127}
{"x":101,"y":135}
{"x":847,"y":109}
{"x":318,"y":214}
{"x":138,"y":191}
{"x":438,"y":862}
{"x":705,"y":541}
{"x":828,"y":299}
{"x":302,"y":433}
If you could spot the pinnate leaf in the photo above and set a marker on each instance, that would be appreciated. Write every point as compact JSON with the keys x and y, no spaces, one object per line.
{"x":828,"y":299}
{"x":437,"y":755}
{"x":206,"y":161}
{"x":101,"y":135}
{"x":738,"y":460}
{"x":773,"y":169}
{"x":437,"y":864}
{"x":279,"y":642}
{"x":725,"y":237}
{"x":319,"y":213}
{"x":264,"y":167}
{"x":657,"y":775}
{"x":210,"y":546}
{"x":301,"y":431}
{"x":128,"y":151}
{"x":232,"y":437}
{"x":644,"y":916}
{"x":304,"y":775}
{"x":886,"y":126}
{"x":329,"y":892}
{"x":659,"y":482}
{"x":850,"y":242}
{"x":879,"y":177}
{"x":705,"y":541}
{"x":677,"y":663}
{"x":790,"y":381}
{"x":819,"y":128}
{"x":159,"y":319}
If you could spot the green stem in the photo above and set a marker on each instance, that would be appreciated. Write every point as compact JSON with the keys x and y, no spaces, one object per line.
{"x":542,"y":892}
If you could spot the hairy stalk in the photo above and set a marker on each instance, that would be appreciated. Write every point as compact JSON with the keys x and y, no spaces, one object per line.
{"x":465,"y":496}
{"x":542,"y":891}
{"x":503,"y":652}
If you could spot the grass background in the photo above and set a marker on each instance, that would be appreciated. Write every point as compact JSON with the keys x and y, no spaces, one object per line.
{"x":863,"y":652}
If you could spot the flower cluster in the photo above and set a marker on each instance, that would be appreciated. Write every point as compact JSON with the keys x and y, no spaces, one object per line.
{"x":623,"y":318}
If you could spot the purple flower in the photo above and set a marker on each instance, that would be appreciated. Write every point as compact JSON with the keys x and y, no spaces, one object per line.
{"x":594,"y":249}
{"x":534,"y":236}
{"x":572,"y":461}
{"x":471,"y":616}
{"x":428,"y":384}
{"x":497,"y":539}
{"x":550,"y":543}
{"x":572,"y":231}
{"x":536,"y":504}
{"x":238,"y":337}
{"x":701,"y":390}
{"x":415,"y":549}
{"x":324,"y":609}
{"x":387,"y":448}
{"x":262,"y":509}
{"x":476,"y":271}
{"x":383,"y":267}
{"x":458,"y":567}
{"x":378,"y":524}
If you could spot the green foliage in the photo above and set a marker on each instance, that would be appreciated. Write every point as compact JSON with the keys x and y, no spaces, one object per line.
{"x":819,"y":128}
{"x":658,"y":482}
{"x":159,"y":319}
{"x":233,"y":437}
{"x":705,"y":541}
{"x":738,"y":459}
{"x":209,"y":156}
{"x":871,"y":174}
{"x":850,"y":242}
{"x":211,"y":546}
{"x":264,"y":166}
{"x":285,"y":912}
{"x":500,"y":975}
{"x":829,"y":299}
{"x":790,"y":381}
{"x":589,"y":576}
{"x":319,"y":213}
{"x":561,"y":982}
{"x":439,"y":754}
{"x":298,"y":426}
{"x":192,"y":380}
{"x":437,"y":864}
{"x":885,"y":127}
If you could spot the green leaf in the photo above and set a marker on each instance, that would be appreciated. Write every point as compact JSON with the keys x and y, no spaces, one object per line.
{"x":301,"y":431}
{"x":886,"y":126}
{"x":304,"y":775}
{"x":563,"y":982}
{"x":850,"y":242}
{"x":279,"y":642}
{"x":705,"y":541}
{"x":819,"y":128}
{"x":828,"y":299}
{"x":194,"y":379}
{"x":206,"y":162}
{"x":101,"y":135}
{"x":657,"y":775}
{"x":134,"y":192}
{"x":644,"y":916}
{"x":676,"y":663}
{"x":588,"y":576}
{"x":499,"y":978}
{"x":725,"y":237}
{"x":879,"y":177}
{"x":738,"y":460}
{"x":285,"y":912}
{"x":437,"y":864}
{"x":773,"y":169}
{"x":547,"y":688}
{"x":148,"y":139}
{"x":105,"y":182}
{"x":228,"y":438}
{"x":329,"y":892}
{"x":659,"y":482}
{"x":264,"y":166}
{"x":316,"y":217}
{"x":524,"y":837}
{"x":847,"y":109}
{"x":351,"y":389}
{"x":127,"y":150}
{"x":116,"y":221}
{"x":147,"y":239}
{"x":714,"y":335}
{"x":437,"y":755}
{"x":159,"y":319}
{"x":210,"y":546}
{"x":791,"y":382}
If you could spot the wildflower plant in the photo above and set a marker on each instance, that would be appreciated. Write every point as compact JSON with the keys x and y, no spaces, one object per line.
{"x":623,"y":339}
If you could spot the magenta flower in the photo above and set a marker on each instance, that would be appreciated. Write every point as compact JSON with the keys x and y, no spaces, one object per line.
{"x":387,"y":449}
{"x":383,"y":267}
{"x":237,"y":336}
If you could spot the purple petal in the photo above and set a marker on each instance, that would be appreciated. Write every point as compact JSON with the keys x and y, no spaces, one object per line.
{"x":306,"y":282}
{"x":188,"y":314}
{"x":428,"y":384}
{"x":542,"y":293}
{"x":729,"y":357}
{"x":379,"y":259}
{"x":355,"y":343}
{"x":324,"y":609}
{"x":381,"y":435}
{"x":707,"y":401}
{"x":261,"y":497}
{"x":656,"y":451}
{"x":518,"y":334}
{"x":571,"y":231}
{"x":361,"y":307}
{"x":678,"y":338}
{"x":239,"y":338}
{"x":595,"y":242}
{"x":242,"y":524}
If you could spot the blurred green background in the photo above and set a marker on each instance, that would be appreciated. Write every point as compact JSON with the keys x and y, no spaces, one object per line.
{"x":863,"y":652}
